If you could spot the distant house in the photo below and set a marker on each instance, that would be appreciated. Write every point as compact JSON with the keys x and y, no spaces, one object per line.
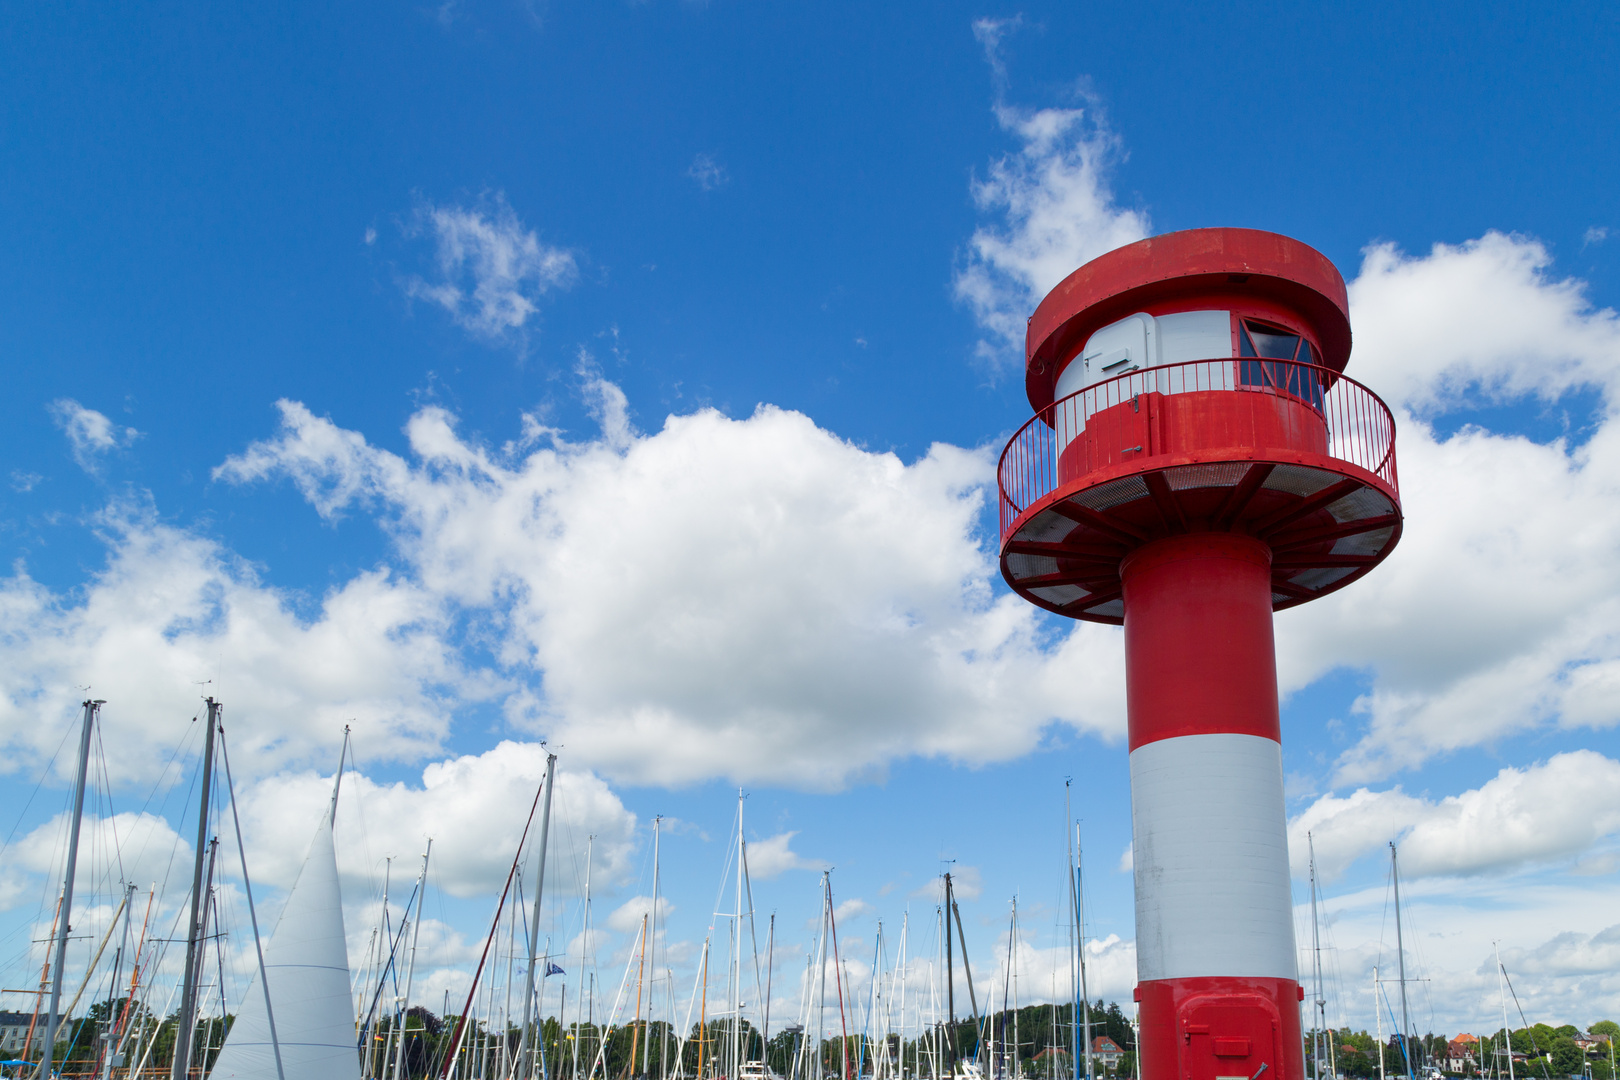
{"x":1586,"y":1042}
{"x":1461,"y":1051}
{"x":1107,"y":1051}
{"x":13,"y":1030}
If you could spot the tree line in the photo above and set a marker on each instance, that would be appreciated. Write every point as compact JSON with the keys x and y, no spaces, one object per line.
{"x":1038,"y":1036}
{"x":1539,"y":1052}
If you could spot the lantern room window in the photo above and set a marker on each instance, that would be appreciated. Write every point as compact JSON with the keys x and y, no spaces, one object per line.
{"x":1259,"y":343}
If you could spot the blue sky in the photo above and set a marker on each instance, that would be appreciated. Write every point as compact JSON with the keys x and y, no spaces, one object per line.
{"x":485,"y":251}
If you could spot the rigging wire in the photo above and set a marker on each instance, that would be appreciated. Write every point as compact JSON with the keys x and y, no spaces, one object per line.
{"x":1527,"y":1028}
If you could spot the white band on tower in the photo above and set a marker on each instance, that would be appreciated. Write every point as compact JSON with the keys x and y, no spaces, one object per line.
{"x":1213,"y":895}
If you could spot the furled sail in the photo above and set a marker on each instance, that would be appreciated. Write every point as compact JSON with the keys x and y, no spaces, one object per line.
{"x":307,"y":964}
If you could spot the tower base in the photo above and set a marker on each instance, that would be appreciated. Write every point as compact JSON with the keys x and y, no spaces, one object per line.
{"x":1220,"y":1028}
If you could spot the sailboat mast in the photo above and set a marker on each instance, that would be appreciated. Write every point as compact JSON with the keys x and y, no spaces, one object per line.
{"x":899,"y":976}
{"x":1400,"y":949}
{"x":646,"y":1053}
{"x":534,"y":921}
{"x":188,"y":992}
{"x":91,"y":708}
{"x":1378,"y":1018}
{"x":821,"y":979}
{"x":1507,"y":1035}
{"x":410,"y":969}
{"x":770,"y":974}
{"x":950,"y":986}
{"x":736,"y":952}
{"x":584,"y":941}
{"x":1316,"y":953}
{"x":114,"y":1022}
{"x":967,"y":975}
{"x":1013,"y":952}
{"x":1080,"y":921}
{"x":1077,"y":942}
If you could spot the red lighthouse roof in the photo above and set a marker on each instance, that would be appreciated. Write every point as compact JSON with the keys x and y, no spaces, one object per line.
{"x":1195,"y":267}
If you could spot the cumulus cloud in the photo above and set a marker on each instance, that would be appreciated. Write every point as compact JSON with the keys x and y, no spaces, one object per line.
{"x":90,"y":434}
{"x":491,"y":270}
{"x":772,"y":856}
{"x":1043,"y":971}
{"x":1570,"y":954}
{"x":1557,"y":809}
{"x":1497,"y":613}
{"x":473,"y":806}
{"x":133,"y":848}
{"x":1055,"y":204}
{"x":794,"y":610}
{"x":1555,"y":937}
{"x":1483,"y":320}
{"x":172,"y":609}
{"x":626,"y":918}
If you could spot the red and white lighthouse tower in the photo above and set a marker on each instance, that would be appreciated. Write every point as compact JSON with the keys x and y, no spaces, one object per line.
{"x":1198,"y":460}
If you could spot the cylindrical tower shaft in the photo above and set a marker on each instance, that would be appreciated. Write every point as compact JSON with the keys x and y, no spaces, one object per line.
{"x":1218,"y":987}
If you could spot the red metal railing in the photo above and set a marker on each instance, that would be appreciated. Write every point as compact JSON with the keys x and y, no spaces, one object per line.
{"x":1306,"y":407}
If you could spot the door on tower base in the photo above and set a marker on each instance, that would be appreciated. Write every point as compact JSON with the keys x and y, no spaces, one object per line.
{"x":1229,"y":1037}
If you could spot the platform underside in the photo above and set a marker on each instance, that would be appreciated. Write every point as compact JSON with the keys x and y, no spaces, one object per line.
{"x":1327,"y":523}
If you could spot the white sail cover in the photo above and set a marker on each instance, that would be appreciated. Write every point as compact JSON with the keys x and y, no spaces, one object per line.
{"x":307,"y":962}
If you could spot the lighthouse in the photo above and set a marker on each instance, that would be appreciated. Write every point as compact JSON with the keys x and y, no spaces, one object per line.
{"x":1197,"y":460}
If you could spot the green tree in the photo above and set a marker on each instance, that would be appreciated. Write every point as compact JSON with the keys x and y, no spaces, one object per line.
{"x":1567,"y":1058}
{"x":1353,"y":1062}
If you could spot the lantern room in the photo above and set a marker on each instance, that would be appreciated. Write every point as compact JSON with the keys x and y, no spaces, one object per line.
{"x":1187,"y":383}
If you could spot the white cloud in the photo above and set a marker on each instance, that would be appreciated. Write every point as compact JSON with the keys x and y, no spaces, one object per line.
{"x":1556,"y":936}
{"x":1570,"y":954}
{"x":172,"y":609}
{"x":853,"y":908}
{"x":136,"y":848}
{"x":473,"y":806}
{"x":1044,"y":973}
{"x":1497,"y":612}
{"x":808,"y":612}
{"x":1554,"y":810}
{"x":491,"y":269}
{"x":708,"y":173}
{"x":626,"y":918}
{"x":90,"y":434}
{"x":772,"y":856}
{"x":1057,"y":207}
{"x":1483,"y":319}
